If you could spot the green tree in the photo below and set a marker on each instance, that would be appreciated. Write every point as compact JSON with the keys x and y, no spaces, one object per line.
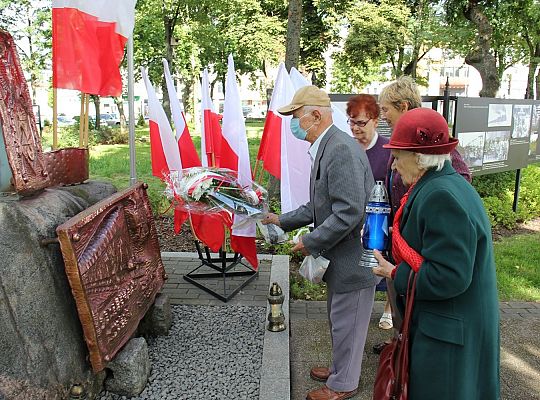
{"x":29,"y":22}
{"x":191,"y":34}
{"x":394,"y":33}
{"x":241,"y":28}
{"x":529,"y":27}
{"x":322,"y":23}
{"x":497,"y":44}
{"x":155,"y":38}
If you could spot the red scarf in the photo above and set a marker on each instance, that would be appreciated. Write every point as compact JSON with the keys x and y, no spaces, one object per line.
{"x":401,"y":251}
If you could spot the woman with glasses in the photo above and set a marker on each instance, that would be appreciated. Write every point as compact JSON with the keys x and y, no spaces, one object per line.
{"x":363,"y":112}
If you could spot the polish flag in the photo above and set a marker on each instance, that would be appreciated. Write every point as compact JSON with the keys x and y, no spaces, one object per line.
{"x":163,"y":146}
{"x":188,"y":153}
{"x":235,"y":156}
{"x":88,"y":44}
{"x":208,"y":228}
{"x":269,"y":152}
{"x":211,"y":137}
{"x":295,"y":161}
{"x":284,"y":156}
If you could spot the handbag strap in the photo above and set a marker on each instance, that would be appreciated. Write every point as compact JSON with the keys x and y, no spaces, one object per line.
{"x":409,"y":303}
{"x":401,"y":360}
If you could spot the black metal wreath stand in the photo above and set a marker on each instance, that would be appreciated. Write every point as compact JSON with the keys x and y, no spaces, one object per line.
{"x":223,"y":266}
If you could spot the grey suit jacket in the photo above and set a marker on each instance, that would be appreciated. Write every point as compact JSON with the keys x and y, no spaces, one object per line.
{"x":340,"y":184}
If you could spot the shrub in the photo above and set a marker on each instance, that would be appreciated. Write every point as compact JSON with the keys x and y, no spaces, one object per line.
{"x":141,"y":121}
{"x":107,"y":135}
{"x":494,"y":184}
{"x":500,"y":211}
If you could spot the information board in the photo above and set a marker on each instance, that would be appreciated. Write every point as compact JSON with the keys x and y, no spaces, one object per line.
{"x":495,"y":134}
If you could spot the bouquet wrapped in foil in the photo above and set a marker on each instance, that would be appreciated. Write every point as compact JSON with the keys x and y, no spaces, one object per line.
{"x":203,"y":190}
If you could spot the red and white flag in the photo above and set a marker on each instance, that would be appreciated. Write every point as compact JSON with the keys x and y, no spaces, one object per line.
{"x":269,"y":148}
{"x":235,"y":156}
{"x":88,"y":44}
{"x":188,"y":154}
{"x":208,"y":228}
{"x":163,"y":146}
{"x":284,"y":156}
{"x":211,"y":136}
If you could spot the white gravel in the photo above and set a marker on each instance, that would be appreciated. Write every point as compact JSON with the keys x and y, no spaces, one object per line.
{"x":212,"y":352}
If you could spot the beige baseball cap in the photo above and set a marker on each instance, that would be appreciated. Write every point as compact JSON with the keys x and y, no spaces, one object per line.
{"x":306,"y":96}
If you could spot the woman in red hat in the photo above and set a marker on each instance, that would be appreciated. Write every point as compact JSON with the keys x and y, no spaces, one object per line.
{"x":442,"y":234}
{"x":396,"y":99}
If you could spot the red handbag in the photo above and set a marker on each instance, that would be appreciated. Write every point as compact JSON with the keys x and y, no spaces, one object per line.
{"x":393,"y":372}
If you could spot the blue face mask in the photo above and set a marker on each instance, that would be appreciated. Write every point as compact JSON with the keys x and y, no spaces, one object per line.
{"x":298,"y":132}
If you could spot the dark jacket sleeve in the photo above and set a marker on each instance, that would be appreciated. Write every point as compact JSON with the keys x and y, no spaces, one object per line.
{"x":459,"y":165}
{"x":298,"y":218}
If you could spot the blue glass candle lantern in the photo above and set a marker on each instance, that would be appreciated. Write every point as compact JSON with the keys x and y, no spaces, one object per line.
{"x":375,"y":236}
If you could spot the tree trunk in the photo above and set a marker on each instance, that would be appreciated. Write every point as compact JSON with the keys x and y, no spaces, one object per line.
{"x":481,"y":57}
{"x":410,"y":68}
{"x":120,"y":105}
{"x":533,"y":65}
{"x":538,"y":85}
{"x":398,"y":69}
{"x":187,"y":94}
{"x":169,"y":28}
{"x":294,"y":27}
{"x":96,"y":100}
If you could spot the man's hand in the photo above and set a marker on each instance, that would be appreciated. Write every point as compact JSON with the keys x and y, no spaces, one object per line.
{"x":300,"y":247}
{"x":384,"y":268}
{"x":270,"y":218}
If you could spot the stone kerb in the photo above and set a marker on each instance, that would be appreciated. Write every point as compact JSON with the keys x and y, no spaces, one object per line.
{"x":275,"y":382}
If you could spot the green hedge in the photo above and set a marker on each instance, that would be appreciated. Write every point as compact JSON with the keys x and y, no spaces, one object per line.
{"x":497,"y":192}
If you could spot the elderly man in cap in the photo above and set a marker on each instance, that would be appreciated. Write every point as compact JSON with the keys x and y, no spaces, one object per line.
{"x":340,"y":184}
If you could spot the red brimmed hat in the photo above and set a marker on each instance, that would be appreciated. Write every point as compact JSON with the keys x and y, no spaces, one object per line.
{"x":422,"y":130}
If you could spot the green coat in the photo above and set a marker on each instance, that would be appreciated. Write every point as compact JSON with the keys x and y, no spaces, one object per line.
{"x":454,"y":338}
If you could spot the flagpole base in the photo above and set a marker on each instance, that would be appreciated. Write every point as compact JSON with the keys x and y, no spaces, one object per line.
{"x":221,"y":284}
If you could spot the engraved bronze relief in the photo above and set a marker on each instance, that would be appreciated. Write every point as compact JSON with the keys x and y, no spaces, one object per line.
{"x":113,"y":263}
{"x":67,"y":166}
{"x":23,"y":144}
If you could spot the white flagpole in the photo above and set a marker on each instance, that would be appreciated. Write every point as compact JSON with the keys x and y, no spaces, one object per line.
{"x":131,"y":103}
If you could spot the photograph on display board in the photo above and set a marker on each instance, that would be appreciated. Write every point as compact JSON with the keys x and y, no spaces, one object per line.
{"x":522,"y":121}
{"x":499,"y":115}
{"x":471,"y":148}
{"x":496,"y":146}
{"x":535,"y":131}
{"x":533,"y":144}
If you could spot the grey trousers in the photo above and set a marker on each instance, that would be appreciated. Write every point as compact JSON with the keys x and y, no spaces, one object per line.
{"x":349,"y":314}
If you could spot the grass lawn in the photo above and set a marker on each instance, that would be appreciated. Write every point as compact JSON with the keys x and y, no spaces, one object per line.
{"x":517,"y":257}
{"x":518,"y":267}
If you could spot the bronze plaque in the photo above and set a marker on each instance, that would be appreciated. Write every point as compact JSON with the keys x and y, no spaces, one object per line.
{"x":23,"y":143}
{"x":67,"y":166}
{"x":113,"y":264}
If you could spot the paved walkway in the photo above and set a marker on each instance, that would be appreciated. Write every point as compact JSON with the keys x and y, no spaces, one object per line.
{"x":310,"y":339}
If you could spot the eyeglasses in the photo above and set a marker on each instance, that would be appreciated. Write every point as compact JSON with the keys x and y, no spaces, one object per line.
{"x":359,"y":124}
